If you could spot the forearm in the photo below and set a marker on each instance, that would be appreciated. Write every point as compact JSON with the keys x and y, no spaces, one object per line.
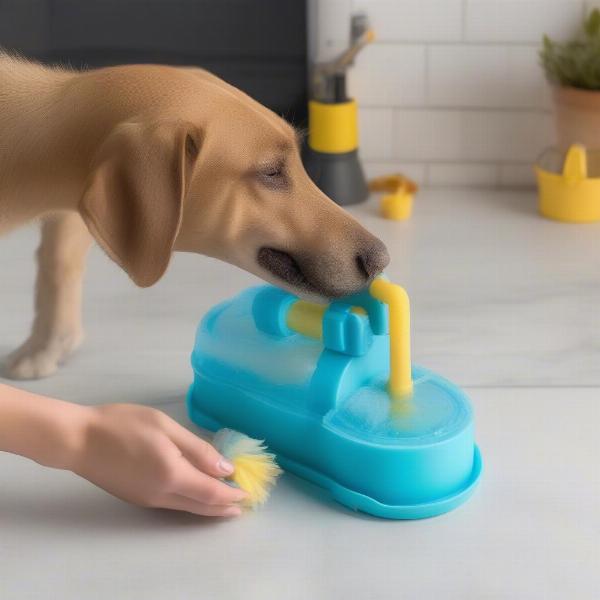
{"x":45,"y":430}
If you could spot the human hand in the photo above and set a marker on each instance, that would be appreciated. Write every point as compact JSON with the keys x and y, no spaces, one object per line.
{"x":141,"y":455}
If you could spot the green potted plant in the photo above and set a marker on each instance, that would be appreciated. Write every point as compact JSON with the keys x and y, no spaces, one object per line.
{"x":573,"y":69}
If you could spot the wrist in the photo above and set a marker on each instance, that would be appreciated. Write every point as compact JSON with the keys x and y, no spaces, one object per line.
{"x":67,"y":436}
{"x":50,"y":432}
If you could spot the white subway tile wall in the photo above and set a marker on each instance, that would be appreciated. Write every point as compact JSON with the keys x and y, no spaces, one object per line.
{"x":415,"y":171}
{"x":414,"y":20}
{"x":376,"y":131}
{"x":463,"y":174}
{"x":520,"y":21}
{"x":451,"y":91}
{"x":390,"y":75}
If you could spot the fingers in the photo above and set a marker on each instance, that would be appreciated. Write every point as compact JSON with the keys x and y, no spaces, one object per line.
{"x":176,"y":502}
{"x":198,"y":486}
{"x":199,"y":452}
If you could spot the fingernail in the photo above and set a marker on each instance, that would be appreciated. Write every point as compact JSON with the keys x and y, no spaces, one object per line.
{"x":232,"y":511}
{"x":225,"y":467}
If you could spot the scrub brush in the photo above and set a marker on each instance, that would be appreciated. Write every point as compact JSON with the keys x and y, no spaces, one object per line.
{"x":255,"y":469}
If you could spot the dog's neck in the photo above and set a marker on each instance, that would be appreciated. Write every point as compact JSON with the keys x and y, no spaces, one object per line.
{"x":29,"y":98}
{"x":47,"y":141}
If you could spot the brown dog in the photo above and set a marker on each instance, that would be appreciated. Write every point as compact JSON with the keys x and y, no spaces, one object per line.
{"x":151,"y":159}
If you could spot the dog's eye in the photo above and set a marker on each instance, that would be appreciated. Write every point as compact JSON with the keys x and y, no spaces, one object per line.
{"x":273,"y":176}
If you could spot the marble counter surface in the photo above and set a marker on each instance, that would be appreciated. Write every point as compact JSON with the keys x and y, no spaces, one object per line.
{"x":504,"y":304}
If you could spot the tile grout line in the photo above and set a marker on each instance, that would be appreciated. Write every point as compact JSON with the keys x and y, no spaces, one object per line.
{"x":532,"y":110}
{"x":463,"y":22}
{"x":458,"y":43}
{"x":427,"y":77}
{"x":436,"y":161}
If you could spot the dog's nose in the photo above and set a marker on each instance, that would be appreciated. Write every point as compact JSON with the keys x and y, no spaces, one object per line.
{"x":372,"y":260}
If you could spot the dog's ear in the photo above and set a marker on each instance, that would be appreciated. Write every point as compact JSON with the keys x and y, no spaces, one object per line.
{"x":134,"y":198}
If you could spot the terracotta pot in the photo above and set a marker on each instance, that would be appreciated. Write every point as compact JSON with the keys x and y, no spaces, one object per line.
{"x":577,"y":117}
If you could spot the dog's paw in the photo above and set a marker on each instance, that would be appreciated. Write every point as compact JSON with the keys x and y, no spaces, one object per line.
{"x":31,"y":366}
{"x":40,"y":358}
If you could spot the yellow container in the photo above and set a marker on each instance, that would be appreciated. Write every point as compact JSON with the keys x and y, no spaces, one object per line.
{"x":397,"y":202}
{"x":570,"y":196}
{"x":333,"y":126}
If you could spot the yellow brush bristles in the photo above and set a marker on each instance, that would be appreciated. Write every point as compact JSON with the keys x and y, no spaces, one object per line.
{"x":255,"y":469}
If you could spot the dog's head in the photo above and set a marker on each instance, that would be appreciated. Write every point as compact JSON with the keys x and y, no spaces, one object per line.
{"x":225,"y":180}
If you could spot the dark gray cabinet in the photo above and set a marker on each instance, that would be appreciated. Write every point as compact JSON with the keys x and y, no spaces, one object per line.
{"x":258,"y":45}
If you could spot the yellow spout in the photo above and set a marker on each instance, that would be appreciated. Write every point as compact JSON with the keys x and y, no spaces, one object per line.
{"x":400,"y":382}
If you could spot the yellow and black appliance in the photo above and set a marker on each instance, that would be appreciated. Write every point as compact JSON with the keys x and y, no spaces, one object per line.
{"x":331,"y":153}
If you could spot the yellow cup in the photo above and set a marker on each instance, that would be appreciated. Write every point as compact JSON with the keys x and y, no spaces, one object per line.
{"x":397,"y":202}
{"x":396,"y":207}
{"x":570,"y":196}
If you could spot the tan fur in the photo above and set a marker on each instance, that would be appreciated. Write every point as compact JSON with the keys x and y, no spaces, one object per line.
{"x":151,"y":159}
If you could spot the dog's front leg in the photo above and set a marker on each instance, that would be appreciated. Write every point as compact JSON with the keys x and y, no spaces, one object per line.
{"x":57,"y":329}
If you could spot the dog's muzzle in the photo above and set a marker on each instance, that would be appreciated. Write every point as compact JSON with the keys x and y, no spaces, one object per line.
{"x":312,"y":276}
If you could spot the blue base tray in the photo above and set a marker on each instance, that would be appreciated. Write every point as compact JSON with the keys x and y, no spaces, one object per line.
{"x":353,"y":499}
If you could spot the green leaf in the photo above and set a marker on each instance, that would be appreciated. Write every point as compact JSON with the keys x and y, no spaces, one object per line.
{"x":591,"y":25}
{"x":577,"y":62}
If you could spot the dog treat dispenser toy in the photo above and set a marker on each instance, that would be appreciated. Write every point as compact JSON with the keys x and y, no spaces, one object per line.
{"x":332,"y":391}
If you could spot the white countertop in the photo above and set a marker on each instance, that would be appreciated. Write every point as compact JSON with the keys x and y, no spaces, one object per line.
{"x":504,"y":303}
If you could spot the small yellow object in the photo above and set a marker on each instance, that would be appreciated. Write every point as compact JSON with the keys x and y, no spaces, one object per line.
{"x":570,"y":196}
{"x":397,"y":201}
{"x":255,"y":469}
{"x":400,"y":383}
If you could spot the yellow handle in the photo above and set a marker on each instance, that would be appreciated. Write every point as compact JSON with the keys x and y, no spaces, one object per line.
{"x":400,"y":383}
{"x":306,"y":318}
{"x":575,"y":167}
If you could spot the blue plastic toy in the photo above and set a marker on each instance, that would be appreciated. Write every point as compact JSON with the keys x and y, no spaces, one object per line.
{"x":339,"y":402}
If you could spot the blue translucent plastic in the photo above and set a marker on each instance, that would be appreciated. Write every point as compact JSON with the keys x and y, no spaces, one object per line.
{"x":323,"y":408}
